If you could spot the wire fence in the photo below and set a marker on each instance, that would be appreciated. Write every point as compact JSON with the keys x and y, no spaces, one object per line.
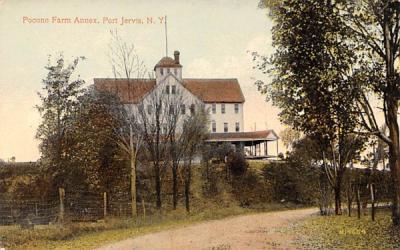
{"x":74,"y":206}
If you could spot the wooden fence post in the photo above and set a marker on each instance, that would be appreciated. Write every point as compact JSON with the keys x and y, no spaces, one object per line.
{"x":105,"y":204}
{"x":358,"y":202}
{"x":372,"y":187}
{"x":61,"y":193}
{"x":144,"y":209}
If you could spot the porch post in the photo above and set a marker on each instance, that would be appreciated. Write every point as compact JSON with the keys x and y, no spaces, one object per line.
{"x":277,"y":147}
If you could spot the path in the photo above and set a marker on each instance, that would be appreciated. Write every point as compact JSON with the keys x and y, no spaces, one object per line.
{"x":257,"y":231}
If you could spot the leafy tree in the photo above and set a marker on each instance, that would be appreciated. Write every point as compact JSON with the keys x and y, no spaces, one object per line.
{"x":375,"y":29}
{"x":289,"y":136}
{"x":310,"y":83}
{"x":95,"y":150}
{"x":373,"y":32}
{"x":59,"y":101}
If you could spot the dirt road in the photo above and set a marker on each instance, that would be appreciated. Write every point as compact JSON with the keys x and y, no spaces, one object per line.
{"x":258,"y":231}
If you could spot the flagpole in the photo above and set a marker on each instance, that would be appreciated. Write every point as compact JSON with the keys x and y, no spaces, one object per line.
{"x":166,"y":37}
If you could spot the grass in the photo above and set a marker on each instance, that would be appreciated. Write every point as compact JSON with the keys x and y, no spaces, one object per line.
{"x":343,"y":232}
{"x":92,"y":235}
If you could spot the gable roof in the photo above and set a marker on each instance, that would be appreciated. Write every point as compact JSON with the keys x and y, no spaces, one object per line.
{"x":215,"y":90}
{"x":207,"y":90}
{"x":167,"y":62}
{"x":129,"y":91}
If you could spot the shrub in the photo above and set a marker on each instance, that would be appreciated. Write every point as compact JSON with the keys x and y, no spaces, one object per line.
{"x":236,"y":163}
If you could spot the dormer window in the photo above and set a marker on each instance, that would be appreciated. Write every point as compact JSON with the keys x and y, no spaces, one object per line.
{"x":173,"y":89}
{"x":168,"y":70}
{"x":175,"y":72}
{"x":192,"y":110}
{"x":167,"y":89}
{"x":161,"y":71}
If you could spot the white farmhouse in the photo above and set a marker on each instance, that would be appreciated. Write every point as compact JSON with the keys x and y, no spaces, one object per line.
{"x":222,"y":97}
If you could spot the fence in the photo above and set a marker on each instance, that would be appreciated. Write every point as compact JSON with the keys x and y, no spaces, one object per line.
{"x":73,"y":206}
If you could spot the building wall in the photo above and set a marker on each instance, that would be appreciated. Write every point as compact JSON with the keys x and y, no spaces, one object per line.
{"x":181,"y":96}
{"x":229,"y":117}
{"x":160,"y":77}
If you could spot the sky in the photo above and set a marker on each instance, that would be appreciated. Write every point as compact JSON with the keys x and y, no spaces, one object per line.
{"x":215,"y":39}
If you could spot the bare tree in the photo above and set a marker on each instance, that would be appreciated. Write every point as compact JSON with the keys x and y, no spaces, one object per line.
{"x":194,"y":132}
{"x":126,"y":63}
{"x":152,"y":119}
{"x":161,"y":116}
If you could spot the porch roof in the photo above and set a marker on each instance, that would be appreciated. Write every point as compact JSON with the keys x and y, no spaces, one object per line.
{"x":263,"y":135}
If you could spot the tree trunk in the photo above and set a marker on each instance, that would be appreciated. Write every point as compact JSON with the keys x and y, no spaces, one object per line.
{"x":188,"y":176}
{"x":158,"y":185}
{"x":324,"y":192}
{"x":394,"y":160}
{"x":174,"y":186}
{"x":338,"y":190}
{"x":349,"y":200}
{"x":133,"y":186}
{"x":133,"y":173}
{"x":391,"y":117}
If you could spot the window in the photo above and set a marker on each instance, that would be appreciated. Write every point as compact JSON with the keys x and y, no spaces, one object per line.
{"x":175,"y":72}
{"x":165,"y":128}
{"x":223,"y":108}
{"x":236,"y":108}
{"x":149,"y":109}
{"x":237,"y":127}
{"x":192,"y":109}
{"x":140,"y":108}
{"x":213,"y":127}
{"x":168,"y":70}
{"x":214,"y":108}
{"x":173,"y":89}
{"x":225,"y":127}
{"x":183,"y":109}
{"x":161,"y":71}
{"x":167,"y":89}
{"x":171,"y":110}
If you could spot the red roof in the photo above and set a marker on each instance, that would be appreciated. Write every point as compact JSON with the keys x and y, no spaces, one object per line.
{"x":167,"y":62}
{"x":215,"y":90}
{"x":207,"y":90}
{"x":268,"y":135}
{"x":129,"y":91}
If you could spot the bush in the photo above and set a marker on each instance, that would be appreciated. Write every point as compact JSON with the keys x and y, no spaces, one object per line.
{"x":236,"y":163}
{"x":293,"y":182}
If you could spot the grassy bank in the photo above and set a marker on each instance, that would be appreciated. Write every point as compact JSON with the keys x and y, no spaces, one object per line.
{"x":92,"y":235}
{"x":343,"y":232}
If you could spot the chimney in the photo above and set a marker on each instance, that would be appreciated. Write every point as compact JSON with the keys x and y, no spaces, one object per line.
{"x":176,"y":56}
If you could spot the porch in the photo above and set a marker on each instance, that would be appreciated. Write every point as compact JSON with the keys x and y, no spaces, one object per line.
{"x":255,"y":145}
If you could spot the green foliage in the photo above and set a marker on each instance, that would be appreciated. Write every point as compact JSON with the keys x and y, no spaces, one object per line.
{"x":292,"y":181}
{"x":251,"y":190}
{"x":59,"y":101}
{"x":93,"y":150}
{"x":236,"y":163}
{"x":309,"y":85}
